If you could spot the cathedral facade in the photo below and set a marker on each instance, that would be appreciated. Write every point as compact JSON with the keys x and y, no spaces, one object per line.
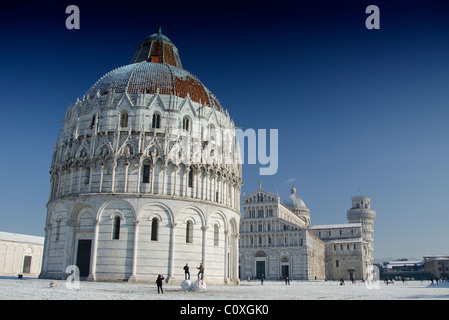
{"x":144,"y":177}
{"x":277,"y":240}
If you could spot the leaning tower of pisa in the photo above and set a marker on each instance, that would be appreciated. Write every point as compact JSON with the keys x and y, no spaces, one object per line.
{"x":361,"y":212}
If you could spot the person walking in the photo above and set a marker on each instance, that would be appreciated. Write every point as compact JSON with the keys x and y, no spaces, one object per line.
{"x":186,"y":272}
{"x":159,"y":283}
{"x":201,"y":271}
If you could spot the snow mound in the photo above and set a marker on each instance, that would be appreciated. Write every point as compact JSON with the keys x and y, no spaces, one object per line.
{"x":186,"y":285}
{"x":199,"y":285}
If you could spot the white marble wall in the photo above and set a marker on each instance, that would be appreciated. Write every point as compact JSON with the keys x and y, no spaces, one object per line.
{"x":12,"y":257}
{"x":134,"y":256}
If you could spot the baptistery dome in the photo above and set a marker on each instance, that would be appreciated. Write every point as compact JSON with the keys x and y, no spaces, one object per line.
{"x":145,"y":176}
{"x":155,"y":68}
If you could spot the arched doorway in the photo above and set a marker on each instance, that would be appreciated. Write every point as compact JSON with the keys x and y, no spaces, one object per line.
{"x":83,"y":235}
{"x":260,"y":261}
{"x":285,"y":267}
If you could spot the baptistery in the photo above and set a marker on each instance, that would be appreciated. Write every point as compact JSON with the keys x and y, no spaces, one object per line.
{"x":145,"y":177}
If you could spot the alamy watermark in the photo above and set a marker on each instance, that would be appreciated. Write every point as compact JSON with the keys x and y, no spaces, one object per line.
{"x":72,"y":282}
{"x":73,"y":20}
{"x":229,"y":147}
{"x":373,"y":20}
{"x":372,"y":281}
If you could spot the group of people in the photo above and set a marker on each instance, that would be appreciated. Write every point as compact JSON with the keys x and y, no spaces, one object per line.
{"x":186,"y":276}
{"x":187,"y":271}
{"x":262,"y":278}
{"x":436,"y":280}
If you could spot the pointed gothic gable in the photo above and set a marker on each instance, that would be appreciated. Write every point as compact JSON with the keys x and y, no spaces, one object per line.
{"x":147,"y":149}
{"x":187,"y":106}
{"x":125,"y":102}
{"x":156,"y":103}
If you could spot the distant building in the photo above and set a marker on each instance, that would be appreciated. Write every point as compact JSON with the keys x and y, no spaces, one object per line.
{"x":20,"y":254}
{"x":404,"y":265}
{"x":278,"y":240}
{"x":437,"y":265}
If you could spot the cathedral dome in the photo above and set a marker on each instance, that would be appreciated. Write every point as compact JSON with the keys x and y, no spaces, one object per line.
{"x":155,"y":68}
{"x":293,"y":201}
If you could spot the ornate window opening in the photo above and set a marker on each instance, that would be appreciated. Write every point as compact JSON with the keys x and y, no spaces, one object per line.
{"x":189,"y":232}
{"x":87,"y":175}
{"x":94,"y":121}
{"x":146,"y":174}
{"x":154,"y":229}
{"x":156,"y":124}
{"x":124,"y":120}
{"x":185,"y":124}
{"x":216,"y":235}
{"x":212,"y":132}
{"x":191,"y":178}
{"x":58,"y":229}
{"x":116,"y":228}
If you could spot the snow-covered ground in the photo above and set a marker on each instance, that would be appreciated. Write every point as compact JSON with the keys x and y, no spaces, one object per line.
{"x":36,"y":289}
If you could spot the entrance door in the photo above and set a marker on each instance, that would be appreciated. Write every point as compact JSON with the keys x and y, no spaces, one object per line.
{"x":285,"y":271}
{"x":83,"y":257}
{"x":26,"y":264}
{"x":351,"y":275}
{"x":260,"y":269}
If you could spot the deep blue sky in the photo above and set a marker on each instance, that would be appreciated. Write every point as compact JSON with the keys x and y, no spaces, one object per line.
{"x":354,"y":107}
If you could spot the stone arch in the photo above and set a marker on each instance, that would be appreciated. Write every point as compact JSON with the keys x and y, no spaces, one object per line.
{"x":218,"y":216}
{"x":77,"y":208}
{"x":169,"y":218}
{"x":58,"y":210}
{"x":233,"y":226}
{"x":117,"y":213}
{"x":194,"y":213}
{"x":84,"y":218}
{"x":116,"y":205}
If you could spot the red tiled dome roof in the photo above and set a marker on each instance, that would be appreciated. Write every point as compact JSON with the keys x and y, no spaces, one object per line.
{"x":155,"y":67}
{"x":159,"y":49}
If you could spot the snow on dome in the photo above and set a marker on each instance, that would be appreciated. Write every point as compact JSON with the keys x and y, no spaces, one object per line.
{"x":151,"y":78}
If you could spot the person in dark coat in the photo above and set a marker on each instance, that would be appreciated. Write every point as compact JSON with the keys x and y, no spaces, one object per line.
{"x":186,"y":272}
{"x":201,"y":271}
{"x":159,"y":283}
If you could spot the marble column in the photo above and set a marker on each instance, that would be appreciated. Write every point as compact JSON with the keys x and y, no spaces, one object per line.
{"x":93,"y":266}
{"x":172,"y":252}
{"x":133,"y":278}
